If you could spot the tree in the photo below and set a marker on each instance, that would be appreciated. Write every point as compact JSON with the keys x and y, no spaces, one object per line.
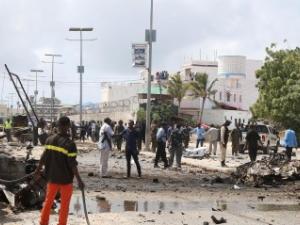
{"x":141,"y":114}
{"x":160,"y":111}
{"x":177,"y":89}
{"x":163,"y":112}
{"x":201,"y":88}
{"x":279,"y":88}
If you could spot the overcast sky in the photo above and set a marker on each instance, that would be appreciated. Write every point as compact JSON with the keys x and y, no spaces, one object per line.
{"x":31,"y":28}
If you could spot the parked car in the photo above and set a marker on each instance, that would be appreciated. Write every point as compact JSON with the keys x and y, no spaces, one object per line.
{"x":268,"y":135}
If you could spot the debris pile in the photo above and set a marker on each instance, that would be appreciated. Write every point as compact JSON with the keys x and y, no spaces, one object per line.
{"x":18,"y":188}
{"x":272,"y":170}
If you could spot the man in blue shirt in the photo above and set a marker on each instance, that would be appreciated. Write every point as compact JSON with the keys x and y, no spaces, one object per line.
{"x":131,"y":137}
{"x":290,"y":142}
{"x":200,"y":132}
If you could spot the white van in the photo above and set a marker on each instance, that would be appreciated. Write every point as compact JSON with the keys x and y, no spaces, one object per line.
{"x":268,"y":136}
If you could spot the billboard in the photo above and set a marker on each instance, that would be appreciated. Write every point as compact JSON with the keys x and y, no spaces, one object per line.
{"x":139,"y":55}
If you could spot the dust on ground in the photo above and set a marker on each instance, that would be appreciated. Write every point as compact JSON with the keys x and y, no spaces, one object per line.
{"x":167,"y":196}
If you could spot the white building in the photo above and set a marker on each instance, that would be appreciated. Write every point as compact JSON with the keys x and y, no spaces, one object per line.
{"x":236,"y":88}
{"x":119,"y":100}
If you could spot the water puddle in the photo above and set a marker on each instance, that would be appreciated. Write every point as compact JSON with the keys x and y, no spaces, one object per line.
{"x":102,"y":205}
{"x":278,"y":207}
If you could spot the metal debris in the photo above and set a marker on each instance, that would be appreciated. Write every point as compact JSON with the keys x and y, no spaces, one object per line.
{"x":270,"y":170}
{"x":218,"y":221}
{"x":17,"y":185}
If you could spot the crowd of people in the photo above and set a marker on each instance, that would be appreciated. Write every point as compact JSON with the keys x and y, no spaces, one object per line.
{"x":59,"y":165}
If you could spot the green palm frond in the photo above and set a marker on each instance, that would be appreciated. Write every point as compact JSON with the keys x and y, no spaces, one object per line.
{"x":201,"y":88}
{"x":176,"y":88}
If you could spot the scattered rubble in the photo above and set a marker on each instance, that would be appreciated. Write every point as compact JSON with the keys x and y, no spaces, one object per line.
{"x":17,"y":185}
{"x":218,"y":221}
{"x":155,"y":180}
{"x":272,"y":170}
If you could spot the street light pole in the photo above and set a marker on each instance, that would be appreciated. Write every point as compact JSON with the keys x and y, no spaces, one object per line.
{"x":80,"y":80}
{"x":52,"y":83}
{"x":148,"y":111}
{"x":81,"y":67}
{"x":36,"y":90}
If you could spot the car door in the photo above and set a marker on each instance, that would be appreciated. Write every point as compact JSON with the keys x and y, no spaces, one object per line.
{"x":272,"y":136}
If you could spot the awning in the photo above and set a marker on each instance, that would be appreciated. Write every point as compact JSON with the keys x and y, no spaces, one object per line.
{"x":156,"y":92}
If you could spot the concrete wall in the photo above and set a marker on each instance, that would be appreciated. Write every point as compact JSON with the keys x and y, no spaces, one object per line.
{"x":119,"y":91}
{"x":218,"y":116}
{"x":125,"y":116}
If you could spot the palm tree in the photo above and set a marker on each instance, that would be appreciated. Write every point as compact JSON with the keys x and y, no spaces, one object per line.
{"x":177,"y":89}
{"x":201,"y":88}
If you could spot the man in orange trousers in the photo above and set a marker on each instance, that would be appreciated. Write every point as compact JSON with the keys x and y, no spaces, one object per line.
{"x":60,"y":167}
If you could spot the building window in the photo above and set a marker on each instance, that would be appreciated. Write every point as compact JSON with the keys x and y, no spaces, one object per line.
{"x":220,"y":95}
{"x":228,"y":96}
{"x":234,"y":97}
{"x":240,"y":98}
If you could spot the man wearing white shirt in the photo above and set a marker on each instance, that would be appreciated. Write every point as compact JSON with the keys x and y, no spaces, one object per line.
{"x":105,"y":145}
{"x":161,"y":138}
{"x":212,"y":136}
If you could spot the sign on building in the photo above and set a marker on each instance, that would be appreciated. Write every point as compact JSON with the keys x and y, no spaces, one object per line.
{"x":139,"y":55}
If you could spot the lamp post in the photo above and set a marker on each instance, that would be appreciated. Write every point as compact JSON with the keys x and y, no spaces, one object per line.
{"x":80,"y":68}
{"x":52,"y":83}
{"x":11,"y":103}
{"x":36,"y":90}
{"x":149,"y":38}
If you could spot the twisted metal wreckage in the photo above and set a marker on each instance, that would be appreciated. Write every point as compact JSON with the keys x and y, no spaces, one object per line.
{"x":18,"y":186}
{"x":272,"y":170}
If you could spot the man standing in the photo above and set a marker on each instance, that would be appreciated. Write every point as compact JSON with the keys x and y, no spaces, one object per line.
{"x":212,"y":136}
{"x":153,"y":136}
{"x":223,"y":141}
{"x":7,"y":129}
{"x":82,"y":131}
{"x":290,"y":142}
{"x":236,"y":137}
{"x":131,"y":136}
{"x":176,"y":146}
{"x":141,"y":127}
{"x":105,"y":146}
{"x":93,"y":130}
{"x":73,"y":131}
{"x":186,"y":135}
{"x":200,"y":132}
{"x":59,"y":159}
{"x":118,"y":134}
{"x":252,"y":139}
{"x":161,"y":138}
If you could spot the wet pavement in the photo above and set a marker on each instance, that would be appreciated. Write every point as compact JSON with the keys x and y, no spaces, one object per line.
{"x":98,"y":204}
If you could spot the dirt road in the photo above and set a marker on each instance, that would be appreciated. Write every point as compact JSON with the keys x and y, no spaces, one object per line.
{"x":189,"y":196}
